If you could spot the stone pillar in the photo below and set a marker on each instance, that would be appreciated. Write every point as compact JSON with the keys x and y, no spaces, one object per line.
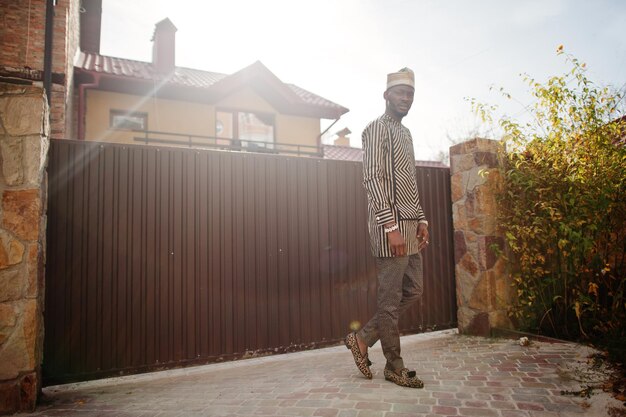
{"x":24,"y":130}
{"x":483,"y":288}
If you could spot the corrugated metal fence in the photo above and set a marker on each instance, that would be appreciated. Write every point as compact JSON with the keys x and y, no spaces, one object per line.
{"x":163,"y":257}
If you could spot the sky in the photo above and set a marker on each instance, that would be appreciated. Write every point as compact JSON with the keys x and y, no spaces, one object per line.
{"x":342,"y":50}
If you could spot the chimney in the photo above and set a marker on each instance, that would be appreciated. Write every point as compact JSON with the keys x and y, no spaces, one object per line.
{"x":164,"y":46}
{"x":90,"y":22}
{"x":342,"y":137}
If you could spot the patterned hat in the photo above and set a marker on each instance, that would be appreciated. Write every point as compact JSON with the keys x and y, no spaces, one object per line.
{"x":404,"y":76}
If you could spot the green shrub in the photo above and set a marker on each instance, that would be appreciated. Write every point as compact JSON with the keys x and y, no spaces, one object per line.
{"x":563,"y":209}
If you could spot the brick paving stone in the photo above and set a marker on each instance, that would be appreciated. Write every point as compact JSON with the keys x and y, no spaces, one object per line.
{"x":293,"y":396}
{"x":530,"y":406}
{"x":530,"y":391}
{"x":477,"y":378}
{"x":530,"y":398}
{"x":365,"y":396}
{"x":410,"y":408}
{"x":546,"y":366}
{"x":311,"y":403}
{"x":326,"y":412}
{"x":444,"y":388}
{"x":572,"y":408}
{"x":343,"y":404}
{"x":556,"y":414}
{"x":502,"y":405}
{"x":506,"y":370}
{"x":450,"y":402}
{"x":428,"y":401}
{"x":493,"y":390}
{"x":453,"y":376}
{"x":370,"y":413}
{"x":269,"y":403}
{"x":446,"y":395}
{"x":483,"y":412}
{"x":336,"y":396}
{"x":446,"y":411}
{"x":243,"y":411}
{"x":296,"y":411}
{"x":479,"y":404}
{"x":269,"y":411}
{"x":514,"y":413}
{"x":502,"y":373}
{"x":325,"y":389}
{"x":562,"y":399}
{"x":394,"y":398}
{"x":287,"y":403}
{"x":397,"y":394}
{"x":536,"y":385}
{"x":316,"y":396}
{"x":482,"y":396}
{"x":507,"y":383}
{"x":373,"y":406}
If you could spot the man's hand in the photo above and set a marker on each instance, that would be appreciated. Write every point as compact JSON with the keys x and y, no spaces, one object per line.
{"x":422,"y":236}
{"x":397,"y":243}
{"x":396,"y":240}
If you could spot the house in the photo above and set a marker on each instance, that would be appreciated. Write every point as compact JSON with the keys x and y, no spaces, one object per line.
{"x":128,"y":101}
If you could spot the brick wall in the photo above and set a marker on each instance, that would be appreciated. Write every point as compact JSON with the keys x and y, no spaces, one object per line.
{"x":22,"y":36}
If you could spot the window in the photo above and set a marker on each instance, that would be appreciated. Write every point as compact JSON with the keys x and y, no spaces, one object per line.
{"x":128,"y":120}
{"x":224,"y":126}
{"x":254,"y":130}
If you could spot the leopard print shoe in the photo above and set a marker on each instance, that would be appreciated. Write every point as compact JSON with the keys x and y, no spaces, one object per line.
{"x":406,"y":378}
{"x":362,"y":362}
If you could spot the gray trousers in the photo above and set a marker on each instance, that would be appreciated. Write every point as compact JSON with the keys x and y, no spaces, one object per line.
{"x":400,"y":284}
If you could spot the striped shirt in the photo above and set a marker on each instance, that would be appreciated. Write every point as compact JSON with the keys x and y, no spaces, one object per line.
{"x":389,"y":179}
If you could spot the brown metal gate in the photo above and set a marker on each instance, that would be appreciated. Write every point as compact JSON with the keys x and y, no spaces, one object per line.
{"x":165,"y":257}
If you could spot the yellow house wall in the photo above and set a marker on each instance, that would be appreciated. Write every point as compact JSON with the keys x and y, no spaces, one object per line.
{"x":189,"y":117}
{"x":245,"y":99}
{"x":163,"y":115}
{"x":297,"y":130}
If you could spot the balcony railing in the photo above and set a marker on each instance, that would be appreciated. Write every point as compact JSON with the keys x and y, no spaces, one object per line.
{"x":212,"y":142}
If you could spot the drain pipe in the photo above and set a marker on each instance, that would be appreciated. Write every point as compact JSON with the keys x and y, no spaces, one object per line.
{"x":82,"y":104}
{"x":47,"y":54}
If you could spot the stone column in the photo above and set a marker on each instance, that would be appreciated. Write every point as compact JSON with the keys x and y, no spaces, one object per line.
{"x":483,"y":288}
{"x":24,"y":129}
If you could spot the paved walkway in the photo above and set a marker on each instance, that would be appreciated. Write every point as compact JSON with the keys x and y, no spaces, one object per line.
{"x":464,"y":376}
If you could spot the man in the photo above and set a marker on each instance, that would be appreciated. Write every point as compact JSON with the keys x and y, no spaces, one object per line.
{"x":397,"y":226}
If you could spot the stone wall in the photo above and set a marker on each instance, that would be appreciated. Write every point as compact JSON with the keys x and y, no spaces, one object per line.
{"x":482,"y":284}
{"x":23,"y":152}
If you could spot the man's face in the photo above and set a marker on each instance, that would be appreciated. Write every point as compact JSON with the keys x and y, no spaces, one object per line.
{"x":399,"y":99}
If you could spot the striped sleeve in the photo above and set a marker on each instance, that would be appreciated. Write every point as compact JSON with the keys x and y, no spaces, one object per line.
{"x":375,"y":151}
